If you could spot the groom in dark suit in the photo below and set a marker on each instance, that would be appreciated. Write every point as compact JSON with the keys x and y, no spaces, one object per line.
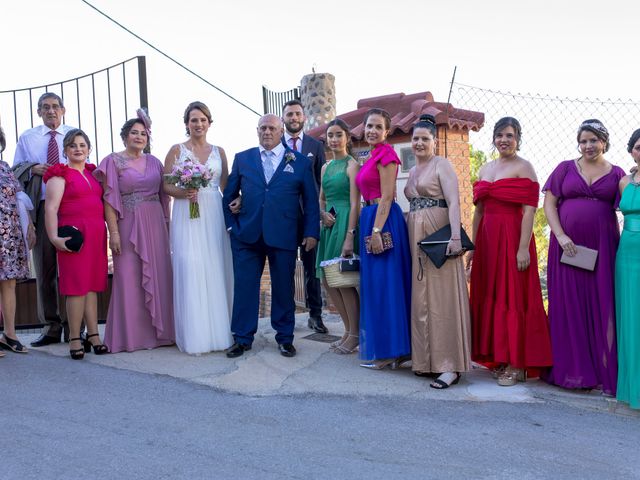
{"x":294,"y":138}
{"x":273,"y":181}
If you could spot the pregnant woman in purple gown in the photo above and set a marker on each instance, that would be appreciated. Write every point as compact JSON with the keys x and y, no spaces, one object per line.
{"x":580,"y":200}
{"x":136,"y":209}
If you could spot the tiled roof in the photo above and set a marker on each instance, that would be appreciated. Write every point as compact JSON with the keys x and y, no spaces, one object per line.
{"x":405,"y":111}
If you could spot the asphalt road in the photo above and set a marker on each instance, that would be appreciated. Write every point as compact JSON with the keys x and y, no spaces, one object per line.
{"x":72,"y":419}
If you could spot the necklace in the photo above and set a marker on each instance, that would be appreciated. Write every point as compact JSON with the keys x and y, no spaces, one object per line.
{"x":634,"y":181}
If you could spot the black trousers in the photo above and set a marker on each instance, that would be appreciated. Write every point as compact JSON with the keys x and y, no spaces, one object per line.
{"x":45,"y":263}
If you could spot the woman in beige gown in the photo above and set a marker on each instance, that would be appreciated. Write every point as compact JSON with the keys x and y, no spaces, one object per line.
{"x":440,"y":319}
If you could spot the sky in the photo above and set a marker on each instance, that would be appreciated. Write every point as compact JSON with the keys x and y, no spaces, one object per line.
{"x":375,"y":47}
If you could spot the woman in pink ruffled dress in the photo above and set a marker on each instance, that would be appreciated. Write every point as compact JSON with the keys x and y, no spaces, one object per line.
{"x":74,"y":199}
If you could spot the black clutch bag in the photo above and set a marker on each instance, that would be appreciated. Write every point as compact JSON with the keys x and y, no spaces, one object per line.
{"x":435,"y":245}
{"x":75,"y":242}
{"x":350,"y":265}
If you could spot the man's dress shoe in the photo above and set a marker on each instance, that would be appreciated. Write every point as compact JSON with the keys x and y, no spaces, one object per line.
{"x":315,"y":323}
{"x":237,"y":349}
{"x":44,"y":340}
{"x":287,"y":349}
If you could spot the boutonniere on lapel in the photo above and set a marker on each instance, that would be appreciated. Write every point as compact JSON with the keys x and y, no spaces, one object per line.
{"x":289,"y":157}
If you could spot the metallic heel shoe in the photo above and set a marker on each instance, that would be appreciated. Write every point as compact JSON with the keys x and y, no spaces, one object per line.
{"x":511,"y":376}
{"x":497,"y":371}
{"x":380,"y":364}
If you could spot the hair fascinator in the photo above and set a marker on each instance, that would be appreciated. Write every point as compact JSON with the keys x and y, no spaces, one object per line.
{"x":594,"y":125}
{"x":143,"y":116}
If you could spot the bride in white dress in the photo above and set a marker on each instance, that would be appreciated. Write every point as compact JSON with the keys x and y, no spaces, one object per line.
{"x":200,"y":248}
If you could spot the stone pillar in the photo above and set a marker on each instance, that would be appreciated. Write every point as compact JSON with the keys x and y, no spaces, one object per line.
{"x":318,"y":97}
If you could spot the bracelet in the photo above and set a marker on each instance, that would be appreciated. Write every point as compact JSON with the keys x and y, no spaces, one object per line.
{"x":352,"y":231}
{"x":114,"y":233}
{"x":454,"y":238}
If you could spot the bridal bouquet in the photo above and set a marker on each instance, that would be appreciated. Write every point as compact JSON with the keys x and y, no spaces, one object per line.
{"x":187,"y":174}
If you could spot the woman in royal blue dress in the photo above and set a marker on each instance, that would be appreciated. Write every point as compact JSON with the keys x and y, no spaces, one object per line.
{"x":385,"y":273}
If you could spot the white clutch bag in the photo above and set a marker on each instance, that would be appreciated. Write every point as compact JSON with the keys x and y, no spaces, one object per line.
{"x":585,"y":258}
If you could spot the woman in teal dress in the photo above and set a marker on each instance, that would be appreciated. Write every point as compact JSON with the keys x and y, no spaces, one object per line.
{"x":627,"y":282}
{"x":339,"y":211}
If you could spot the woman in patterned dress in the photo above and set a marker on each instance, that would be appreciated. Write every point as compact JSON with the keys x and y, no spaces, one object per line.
{"x":13,"y":249}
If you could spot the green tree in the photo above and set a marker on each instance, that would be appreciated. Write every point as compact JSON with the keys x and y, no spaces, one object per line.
{"x":477,"y":158}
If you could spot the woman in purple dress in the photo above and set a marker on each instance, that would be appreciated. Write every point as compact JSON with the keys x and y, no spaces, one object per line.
{"x":136,"y":209}
{"x":580,"y":200}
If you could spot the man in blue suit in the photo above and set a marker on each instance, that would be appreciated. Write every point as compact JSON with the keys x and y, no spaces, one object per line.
{"x":294,"y":138}
{"x":273,"y":181}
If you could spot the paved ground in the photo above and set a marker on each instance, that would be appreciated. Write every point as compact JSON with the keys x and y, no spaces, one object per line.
{"x":64,"y":419}
{"x":161,"y":414}
{"x":264,"y":372}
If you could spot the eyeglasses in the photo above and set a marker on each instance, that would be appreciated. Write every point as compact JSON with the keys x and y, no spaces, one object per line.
{"x":46,"y":107}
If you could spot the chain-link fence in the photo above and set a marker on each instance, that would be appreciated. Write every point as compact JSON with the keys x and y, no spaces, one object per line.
{"x":549,"y":124}
{"x":549,"y":129}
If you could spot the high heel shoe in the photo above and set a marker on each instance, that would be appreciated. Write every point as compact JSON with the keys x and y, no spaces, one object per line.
{"x":342,"y":350}
{"x":337,"y":343}
{"x":497,"y":371}
{"x":405,"y":362}
{"x":97,"y":349}
{"x":511,"y":376}
{"x":77,"y":354}
{"x":380,"y":364}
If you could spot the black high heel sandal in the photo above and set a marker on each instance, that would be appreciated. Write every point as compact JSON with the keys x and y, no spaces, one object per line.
{"x":77,"y":354}
{"x":97,"y":349}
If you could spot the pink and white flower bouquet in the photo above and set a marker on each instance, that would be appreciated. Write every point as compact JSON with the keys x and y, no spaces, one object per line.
{"x":188,"y":174}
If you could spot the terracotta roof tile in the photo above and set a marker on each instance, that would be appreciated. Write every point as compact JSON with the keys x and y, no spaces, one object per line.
{"x":405,"y":111}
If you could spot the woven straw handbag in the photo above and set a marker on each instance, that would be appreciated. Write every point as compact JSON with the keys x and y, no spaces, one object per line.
{"x":342,"y":272}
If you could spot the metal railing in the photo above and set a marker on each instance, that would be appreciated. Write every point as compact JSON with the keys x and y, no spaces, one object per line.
{"x":94,"y":102}
{"x":273,"y":101}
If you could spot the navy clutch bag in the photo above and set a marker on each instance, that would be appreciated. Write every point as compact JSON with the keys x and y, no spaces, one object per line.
{"x":435,"y":245}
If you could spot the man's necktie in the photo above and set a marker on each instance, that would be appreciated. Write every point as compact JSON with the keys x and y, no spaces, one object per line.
{"x":268,"y":165}
{"x":294,"y":140}
{"x":53,"y":156}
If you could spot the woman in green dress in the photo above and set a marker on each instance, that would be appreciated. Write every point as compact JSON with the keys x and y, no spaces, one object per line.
{"x":627,"y":282}
{"x":339,"y":212}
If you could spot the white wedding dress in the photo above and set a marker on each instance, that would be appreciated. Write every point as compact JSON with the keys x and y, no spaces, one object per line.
{"x":202,"y":268}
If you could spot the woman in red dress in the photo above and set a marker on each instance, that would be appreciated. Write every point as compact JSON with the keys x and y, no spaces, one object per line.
{"x":74,"y":198}
{"x":509,"y":324}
